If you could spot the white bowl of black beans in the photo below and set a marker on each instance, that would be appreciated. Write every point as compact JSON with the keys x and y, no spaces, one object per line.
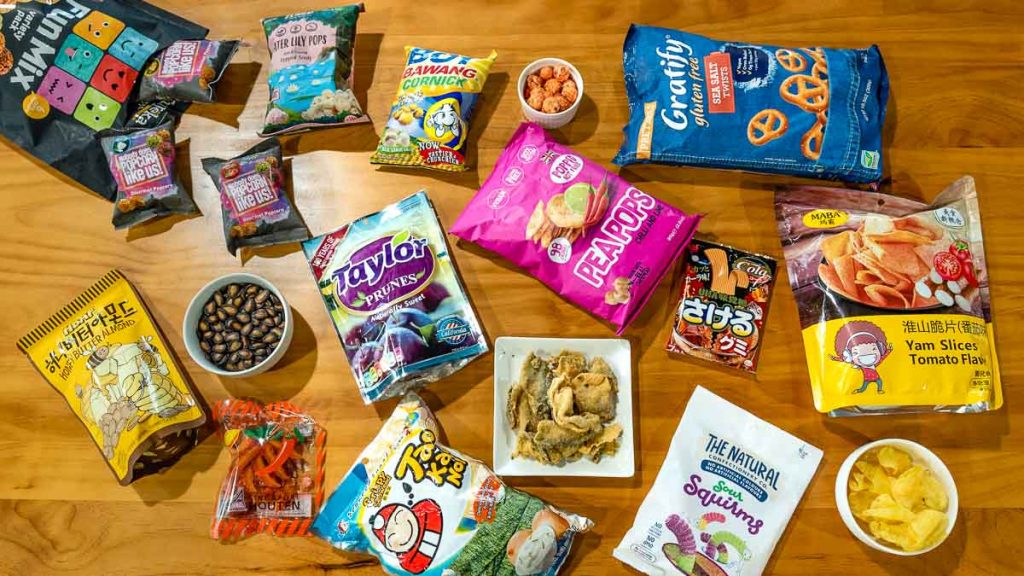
{"x":238,"y":325}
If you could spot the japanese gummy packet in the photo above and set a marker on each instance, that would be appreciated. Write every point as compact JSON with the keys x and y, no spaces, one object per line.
{"x":68,"y":70}
{"x":722,"y":306}
{"x":724,"y":495}
{"x":254,"y":204}
{"x":581,"y":230}
{"x":423,"y":508}
{"x":894,"y":300}
{"x":429,"y":119}
{"x":695,"y":101}
{"x":187,"y":70}
{"x":104,"y":354}
{"x":142,"y":163}
{"x":275,"y":482}
{"x":395,"y":298}
{"x":311,"y":70}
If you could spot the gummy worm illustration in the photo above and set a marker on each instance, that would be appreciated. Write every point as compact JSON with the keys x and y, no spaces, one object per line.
{"x":683,"y":533}
{"x":709,"y":518}
{"x":721,"y":538}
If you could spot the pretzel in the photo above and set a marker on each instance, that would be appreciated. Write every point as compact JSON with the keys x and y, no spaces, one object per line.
{"x":818,"y":55}
{"x":810,"y":95}
{"x":765,"y":126}
{"x":790,"y":60}
{"x":810,"y":143}
{"x":820,"y":70}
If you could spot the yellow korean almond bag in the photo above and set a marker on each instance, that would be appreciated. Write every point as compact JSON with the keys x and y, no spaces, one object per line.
{"x":105,"y":356}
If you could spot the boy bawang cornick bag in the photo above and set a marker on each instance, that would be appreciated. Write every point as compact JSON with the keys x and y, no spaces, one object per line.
{"x":694,"y":101}
{"x":68,"y":69}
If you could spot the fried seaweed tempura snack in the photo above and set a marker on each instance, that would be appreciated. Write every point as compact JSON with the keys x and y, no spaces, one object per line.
{"x":104,"y":354}
{"x":275,"y":481}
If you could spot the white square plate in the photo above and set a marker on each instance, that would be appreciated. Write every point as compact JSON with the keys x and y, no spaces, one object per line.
{"x":509,"y":354}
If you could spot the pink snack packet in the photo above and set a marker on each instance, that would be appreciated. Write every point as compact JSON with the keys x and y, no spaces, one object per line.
{"x":583,"y":231}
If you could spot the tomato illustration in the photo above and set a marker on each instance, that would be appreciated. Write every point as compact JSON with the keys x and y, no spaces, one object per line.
{"x":948,"y":266}
{"x":970,"y":274}
{"x":961,"y":249}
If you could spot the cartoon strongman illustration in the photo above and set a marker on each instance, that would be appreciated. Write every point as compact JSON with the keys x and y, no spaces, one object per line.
{"x":412,"y":534}
{"x":863,"y":345}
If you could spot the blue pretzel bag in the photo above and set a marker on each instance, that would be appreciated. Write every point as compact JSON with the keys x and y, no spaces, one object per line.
{"x":694,"y":101}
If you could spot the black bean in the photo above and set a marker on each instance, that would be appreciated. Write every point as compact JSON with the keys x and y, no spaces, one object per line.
{"x":262,"y":296}
{"x":256,"y":334}
{"x":245,"y":354}
{"x":250,"y":289}
{"x":233,"y":358}
{"x":243,"y":317}
{"x":205,"y":346}
{"x":231,"y":367}
{"x":220,"y":348}
{"x":235,"y":346}
{"x":217,"y":357}
{"x":244,"y":340}
{"x":218,"y":299}
{"x":207,"y":335}
{"x":278,"y":332}
{"x":257,"y":346}
{"x":218,"y":338}
{"x":270,"y":338}
{"x":246,"y":329}
{"x":203,"y":326}
{"x":260,"y":314}
{"x":230,"y":336}
{"x":233,"y":290}
{"x":249,"y":305}
{"x":222,"y":315}
{"x":230,"y":310}
{"x":278,"y":307}
{"x":210,"y":307}
{"x":211,"y":319}
{"x":267,"y":324}
{"x":260,"y":355}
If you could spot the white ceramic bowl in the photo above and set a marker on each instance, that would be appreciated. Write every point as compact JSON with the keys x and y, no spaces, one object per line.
{"x":195,"y":310}
{"x":922,"y":456}
{"x":549,"y":121}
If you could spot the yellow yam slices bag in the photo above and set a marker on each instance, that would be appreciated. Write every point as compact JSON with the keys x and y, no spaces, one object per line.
{"x":893,"y":298}
{"x":104,"y":354}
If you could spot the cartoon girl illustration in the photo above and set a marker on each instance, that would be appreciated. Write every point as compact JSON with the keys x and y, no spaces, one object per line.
{"x":863,"y":345}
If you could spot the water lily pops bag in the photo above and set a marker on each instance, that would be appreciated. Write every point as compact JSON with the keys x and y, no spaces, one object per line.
{"x":104,"y":354}
{"x":583,"y":231}
{"x":723,"y":497}
{"x":425,"y":509}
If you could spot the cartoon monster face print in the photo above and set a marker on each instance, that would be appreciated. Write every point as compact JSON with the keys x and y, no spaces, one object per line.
{"x":61,"y":89}
{"x":96,"y":110}
{"x":132,"y":48}
{"x":78,"y":57}
{"x":114,"y":78}
{"x":99,"y":29}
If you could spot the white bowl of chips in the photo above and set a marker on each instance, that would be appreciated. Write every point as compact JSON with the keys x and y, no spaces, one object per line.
{"x":897,"y":497}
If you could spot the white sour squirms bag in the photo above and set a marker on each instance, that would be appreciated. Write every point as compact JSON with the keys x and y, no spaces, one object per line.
{"x":725,"y":493}
{"x":423,"y":508}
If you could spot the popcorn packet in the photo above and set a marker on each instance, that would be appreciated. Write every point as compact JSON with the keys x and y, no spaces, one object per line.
{"x":68,"y":70}
{"x":187,"y":70}
{"x":894,"y":300}
{"x":581,"y":230}
{"x":724,"y":495}
{"x":696,"y":101}
{"x":142,"y":163}
{"x":429,"y":119}
{"x":254,"y":204}
{"x":275,"y":482}
{"x":722,"y":306}
{"x":425,"y":509}
{"x":395,"y":298}
{"x":104,"y":354}
{"x":311,"y":70}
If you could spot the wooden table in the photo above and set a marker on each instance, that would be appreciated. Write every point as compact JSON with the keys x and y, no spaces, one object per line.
{"x":957,"y":74}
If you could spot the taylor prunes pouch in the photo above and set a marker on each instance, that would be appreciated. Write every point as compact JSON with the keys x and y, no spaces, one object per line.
{"x":724,"y":495}
{"x":425,"y":509}
{"x":187,"y":70}
{"x":104,"y":354}
{"x":68,"y":70}
{"x":254,"y":204}
{"x":311,"y":70}
{"x":695,"y":101}
{"x":894,"y":300}
{"x":142,"y":163}
{"x":395,"y":298}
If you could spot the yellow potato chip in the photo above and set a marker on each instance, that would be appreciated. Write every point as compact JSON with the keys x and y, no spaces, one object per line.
{"x":906,"y":236}
{"x":880,"y":483}
{"x":917,"y":488}
{"x":884,"y":507}
{"x":861,"y":501}
{"x":837,"y":245}
{"x":899,"y":534}
{"x":846,"y":271}
{"x":859,"y":482}
{"x":886,"y":296}
{"x":919,"y":225}
{"x":929,"y":526}
{"x":894,"y":461}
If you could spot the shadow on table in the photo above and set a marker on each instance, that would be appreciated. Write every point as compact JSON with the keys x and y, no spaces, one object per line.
{"x":231,"y":93}
{"x":289,"y":376}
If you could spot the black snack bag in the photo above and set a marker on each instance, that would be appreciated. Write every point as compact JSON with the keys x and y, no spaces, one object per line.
{"x":187,"y":70}
{"x":142,"y":161}
{"x":68,"y":70}
{"x":256,"y":209}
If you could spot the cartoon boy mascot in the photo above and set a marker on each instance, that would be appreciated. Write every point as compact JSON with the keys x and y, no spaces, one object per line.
{"x":412,"y":534}
{"x":863,"y":345}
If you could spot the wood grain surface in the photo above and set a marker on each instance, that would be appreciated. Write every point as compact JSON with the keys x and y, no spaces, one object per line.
{"x":957,"y":75}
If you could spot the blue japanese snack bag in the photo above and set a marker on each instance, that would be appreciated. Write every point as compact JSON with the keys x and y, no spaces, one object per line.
{"x":693,"y":101}
{"x":423,"y":508}
{"x":69,"y":70}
